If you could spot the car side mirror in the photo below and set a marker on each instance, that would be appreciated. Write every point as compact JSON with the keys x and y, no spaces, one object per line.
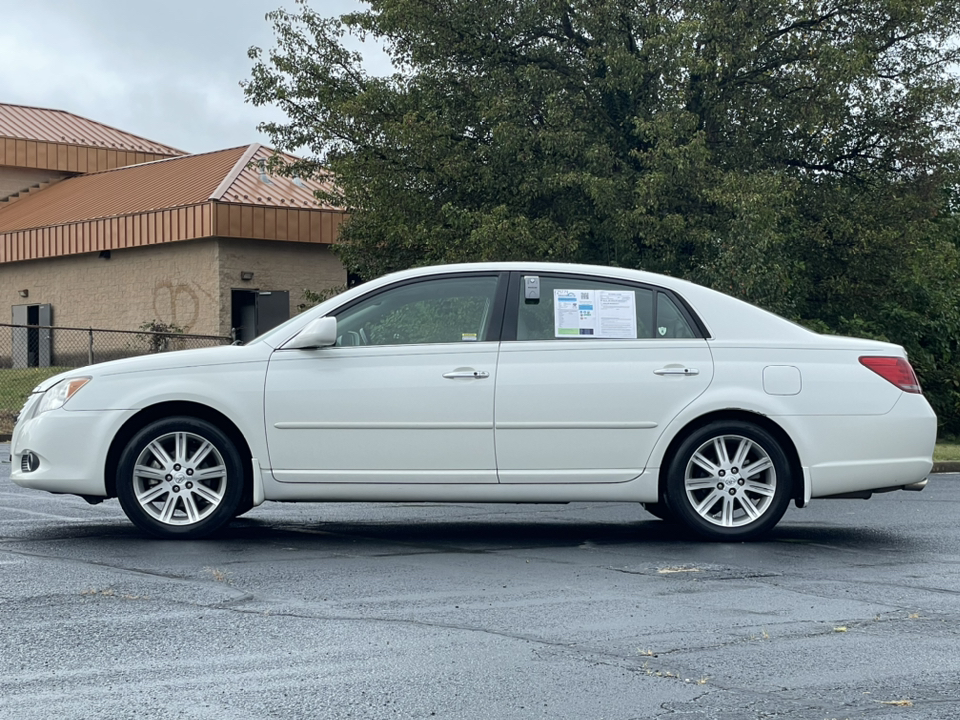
{"x":319,"y":333}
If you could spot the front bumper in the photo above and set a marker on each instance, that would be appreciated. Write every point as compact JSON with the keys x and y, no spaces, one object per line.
{"x":71,"y":447}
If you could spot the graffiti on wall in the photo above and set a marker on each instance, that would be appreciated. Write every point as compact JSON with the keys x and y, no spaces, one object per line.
{"x":179,"y":303}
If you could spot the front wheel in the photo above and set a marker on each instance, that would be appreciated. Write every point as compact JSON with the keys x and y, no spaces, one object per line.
{"x":180,"y":477}
{"x":729,"y":480}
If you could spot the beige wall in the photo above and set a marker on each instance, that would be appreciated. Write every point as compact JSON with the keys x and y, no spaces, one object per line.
{"x":13,"y":180}
{"x":173,"y":283}
{"x":184,"y":283}
{"x":275,"y":266}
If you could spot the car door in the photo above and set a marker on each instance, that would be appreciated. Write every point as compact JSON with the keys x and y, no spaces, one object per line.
{"x":590,"y":373}
{"x":405,"y":396}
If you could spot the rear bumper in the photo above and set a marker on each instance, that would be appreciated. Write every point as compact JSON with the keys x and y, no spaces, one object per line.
{"x":852,"y":454}
{"x":866,"y":494}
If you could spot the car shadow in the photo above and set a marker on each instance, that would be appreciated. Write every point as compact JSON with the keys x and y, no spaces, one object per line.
{"x":472,"y":535}
{"x":485,"y":535}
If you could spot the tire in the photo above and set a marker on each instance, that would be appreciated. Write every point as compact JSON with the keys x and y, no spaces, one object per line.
{"x":243,"y":508}
{"x":180,"y":478}
{"x":660,"y":510}
{"x":729,"y":481}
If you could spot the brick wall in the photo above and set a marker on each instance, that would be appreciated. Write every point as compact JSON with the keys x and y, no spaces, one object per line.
{"x":275,"y":265}
{"x":172,"y":283}
{"x":183,"y":283}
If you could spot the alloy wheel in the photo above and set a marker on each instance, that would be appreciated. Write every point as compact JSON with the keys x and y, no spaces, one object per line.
{"x":730,"y":481}
{"x":179,"y":478}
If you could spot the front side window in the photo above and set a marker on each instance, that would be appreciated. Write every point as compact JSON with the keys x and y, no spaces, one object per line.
{"x":443,"y":310}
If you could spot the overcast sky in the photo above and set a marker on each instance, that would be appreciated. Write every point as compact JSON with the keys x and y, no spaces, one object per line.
{"x":167,"y":71}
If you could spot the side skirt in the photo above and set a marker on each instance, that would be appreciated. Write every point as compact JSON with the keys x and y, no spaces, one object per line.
{"x":642,"y":489}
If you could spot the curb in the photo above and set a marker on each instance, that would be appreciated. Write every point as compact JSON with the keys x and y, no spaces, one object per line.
{"x":945,"y":467}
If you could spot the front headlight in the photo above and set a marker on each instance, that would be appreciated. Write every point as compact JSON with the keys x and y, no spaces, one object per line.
{"x":56,"y":396}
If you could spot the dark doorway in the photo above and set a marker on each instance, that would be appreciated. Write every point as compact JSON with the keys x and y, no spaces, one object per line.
{"x":253,"y":312}
{"x":32,"y":346}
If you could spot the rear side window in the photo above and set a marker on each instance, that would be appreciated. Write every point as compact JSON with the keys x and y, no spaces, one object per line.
{"x":579,"y":308}
{"x":576,"y":308}
{"x":670,"y":321}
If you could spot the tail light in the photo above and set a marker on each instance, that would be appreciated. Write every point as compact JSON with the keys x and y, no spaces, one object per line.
{"x":895,"y":370}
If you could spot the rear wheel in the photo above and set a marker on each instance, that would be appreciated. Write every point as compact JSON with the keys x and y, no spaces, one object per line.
{"x":243,"y":508}
{"x":729,"y":480}
{"x":180,"y":477}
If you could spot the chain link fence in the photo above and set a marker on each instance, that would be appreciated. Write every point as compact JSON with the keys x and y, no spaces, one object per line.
{"x":30,"y":354}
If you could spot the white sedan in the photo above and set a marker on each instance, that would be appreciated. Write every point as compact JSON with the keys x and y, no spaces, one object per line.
{"x":492,"y":382}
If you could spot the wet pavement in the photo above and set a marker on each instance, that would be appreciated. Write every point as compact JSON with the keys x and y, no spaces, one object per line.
{"x":849,"y":609}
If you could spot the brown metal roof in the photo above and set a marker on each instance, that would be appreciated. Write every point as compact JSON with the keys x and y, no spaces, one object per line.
{"x":251,"y":185}
{"x":218,"y":194}
{"x":56,"y":126}
{"x":162,"y":184}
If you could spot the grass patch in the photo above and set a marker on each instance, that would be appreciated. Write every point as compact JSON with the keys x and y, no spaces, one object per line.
{"x":15,"y":386}
{"x":947,"y":452}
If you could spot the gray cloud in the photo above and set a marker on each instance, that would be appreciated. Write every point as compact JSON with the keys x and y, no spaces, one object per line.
{"x":167,"y":71}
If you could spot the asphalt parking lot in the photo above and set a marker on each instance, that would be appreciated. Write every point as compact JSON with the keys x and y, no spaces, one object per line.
{"x":849,"y":609}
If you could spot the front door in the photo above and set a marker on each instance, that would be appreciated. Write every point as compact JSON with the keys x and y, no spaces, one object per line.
{"x":405,"y":396}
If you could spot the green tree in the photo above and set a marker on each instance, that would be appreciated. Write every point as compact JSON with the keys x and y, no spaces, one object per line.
{"x":791,"y":152}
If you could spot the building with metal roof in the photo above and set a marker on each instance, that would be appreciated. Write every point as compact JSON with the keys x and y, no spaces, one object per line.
{"x":57,"y":127}
{"x":106,"y":229}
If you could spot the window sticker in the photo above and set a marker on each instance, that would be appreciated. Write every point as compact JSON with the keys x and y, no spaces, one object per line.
{"x":595,"y":313}
{"x":468,"y":337}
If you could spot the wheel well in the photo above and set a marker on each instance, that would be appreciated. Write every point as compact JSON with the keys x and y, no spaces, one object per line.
{"x":745,"y":416}
{"x":169,"y":409}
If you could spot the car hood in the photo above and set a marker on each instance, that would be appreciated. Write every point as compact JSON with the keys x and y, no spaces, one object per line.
{"x":165,"y":361}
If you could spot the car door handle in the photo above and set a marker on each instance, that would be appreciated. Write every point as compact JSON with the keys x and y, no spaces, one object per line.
{"x":467,"y":373}
{"x":676,"y":371}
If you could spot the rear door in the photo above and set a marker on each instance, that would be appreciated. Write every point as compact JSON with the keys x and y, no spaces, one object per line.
{"x":590,"y":373}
